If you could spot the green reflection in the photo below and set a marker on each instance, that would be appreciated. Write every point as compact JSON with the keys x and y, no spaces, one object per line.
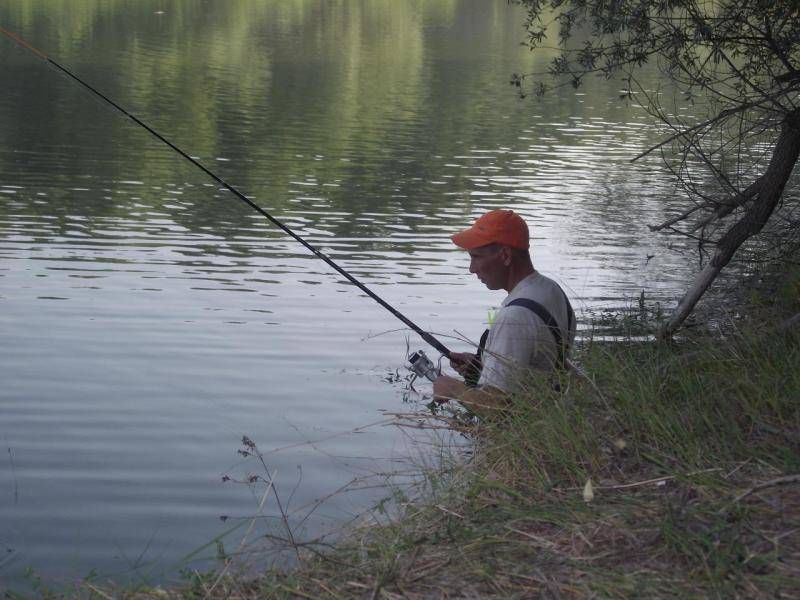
{"x":333,"y":106}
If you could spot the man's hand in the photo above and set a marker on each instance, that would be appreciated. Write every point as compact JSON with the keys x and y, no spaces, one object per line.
{"x":447,"y":388}
{"x":461,"y":361}
{"x":486,"y":402}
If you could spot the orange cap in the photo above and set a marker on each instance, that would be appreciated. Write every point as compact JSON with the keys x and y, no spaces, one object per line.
{"x":503,"y":227}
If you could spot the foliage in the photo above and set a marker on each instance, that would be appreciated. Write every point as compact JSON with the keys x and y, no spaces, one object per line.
{"x":736,"y":51}
{"x":731,"y":104}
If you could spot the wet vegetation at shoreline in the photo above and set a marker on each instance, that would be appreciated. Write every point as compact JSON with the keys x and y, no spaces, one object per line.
{"x":666,"y":470}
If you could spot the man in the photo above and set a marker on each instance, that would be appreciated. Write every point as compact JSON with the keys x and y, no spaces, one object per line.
{"x":534,"y":328}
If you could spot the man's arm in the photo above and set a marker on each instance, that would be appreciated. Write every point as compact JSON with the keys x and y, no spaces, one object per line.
{"x":485,"y":401}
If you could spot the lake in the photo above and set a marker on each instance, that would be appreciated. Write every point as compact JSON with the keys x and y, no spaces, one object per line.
{"x":149,"y":320}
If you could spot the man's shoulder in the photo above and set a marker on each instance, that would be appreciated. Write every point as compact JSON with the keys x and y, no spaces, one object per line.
{"x":518,"y":314}
{"x":537,"y":287}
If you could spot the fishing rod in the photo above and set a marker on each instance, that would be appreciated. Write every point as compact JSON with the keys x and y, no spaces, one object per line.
{"x":420,"y":363}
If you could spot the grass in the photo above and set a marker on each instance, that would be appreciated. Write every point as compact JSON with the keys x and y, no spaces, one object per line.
{"x":671,"y":472}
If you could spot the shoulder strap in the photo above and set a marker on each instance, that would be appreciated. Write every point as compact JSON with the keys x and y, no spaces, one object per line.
{"x":549,"y":321}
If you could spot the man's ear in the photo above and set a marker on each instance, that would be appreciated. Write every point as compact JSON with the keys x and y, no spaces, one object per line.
{"x":506,"y":252}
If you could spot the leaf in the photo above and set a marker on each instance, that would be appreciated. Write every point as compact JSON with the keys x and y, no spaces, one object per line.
{"x":588,"y":491}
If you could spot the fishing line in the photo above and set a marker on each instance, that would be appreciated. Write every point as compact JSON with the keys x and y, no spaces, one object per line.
{"x":423,"y":334}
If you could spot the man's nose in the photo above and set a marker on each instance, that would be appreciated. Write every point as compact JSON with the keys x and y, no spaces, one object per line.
{"x":472,"y":266}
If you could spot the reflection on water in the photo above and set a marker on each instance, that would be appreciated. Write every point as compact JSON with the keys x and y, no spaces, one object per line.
{"x":149,"y":320}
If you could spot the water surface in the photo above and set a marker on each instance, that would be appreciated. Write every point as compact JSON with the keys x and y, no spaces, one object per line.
{"x":149,"y":320}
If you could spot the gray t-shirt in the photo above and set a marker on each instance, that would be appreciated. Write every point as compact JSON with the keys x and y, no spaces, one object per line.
{"x":519,"y":338}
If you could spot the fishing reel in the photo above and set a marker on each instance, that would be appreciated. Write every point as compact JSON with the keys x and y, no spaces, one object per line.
{"x":422,"y":366}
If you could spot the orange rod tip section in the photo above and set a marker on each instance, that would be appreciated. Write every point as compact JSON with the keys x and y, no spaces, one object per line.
{"x":23,"y":43}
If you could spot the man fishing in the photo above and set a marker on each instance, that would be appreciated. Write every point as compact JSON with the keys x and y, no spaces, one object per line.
{"x":533,"y":329}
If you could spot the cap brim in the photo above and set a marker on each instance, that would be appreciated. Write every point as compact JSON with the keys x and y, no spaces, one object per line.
{"x":469,"y":239}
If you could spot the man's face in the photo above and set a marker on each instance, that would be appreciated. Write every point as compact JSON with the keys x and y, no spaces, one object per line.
{"x":490,"y":264}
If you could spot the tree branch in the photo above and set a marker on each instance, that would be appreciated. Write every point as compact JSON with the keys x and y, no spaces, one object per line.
{"x":668,"y":224}
{"x":686,"y":132}
{"x":732,"y":204}
{"x":784,"y":158}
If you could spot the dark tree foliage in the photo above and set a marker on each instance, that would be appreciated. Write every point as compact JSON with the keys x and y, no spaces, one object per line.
{"x":730,"y":101}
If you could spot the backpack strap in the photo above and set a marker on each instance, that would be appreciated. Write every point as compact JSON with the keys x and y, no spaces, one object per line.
{"x":551,"y":324}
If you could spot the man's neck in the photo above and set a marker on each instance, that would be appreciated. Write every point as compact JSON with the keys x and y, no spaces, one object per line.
{"x":517,"y":275}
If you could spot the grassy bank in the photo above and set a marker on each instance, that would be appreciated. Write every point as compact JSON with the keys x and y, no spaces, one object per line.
{"x":674,"y":472}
